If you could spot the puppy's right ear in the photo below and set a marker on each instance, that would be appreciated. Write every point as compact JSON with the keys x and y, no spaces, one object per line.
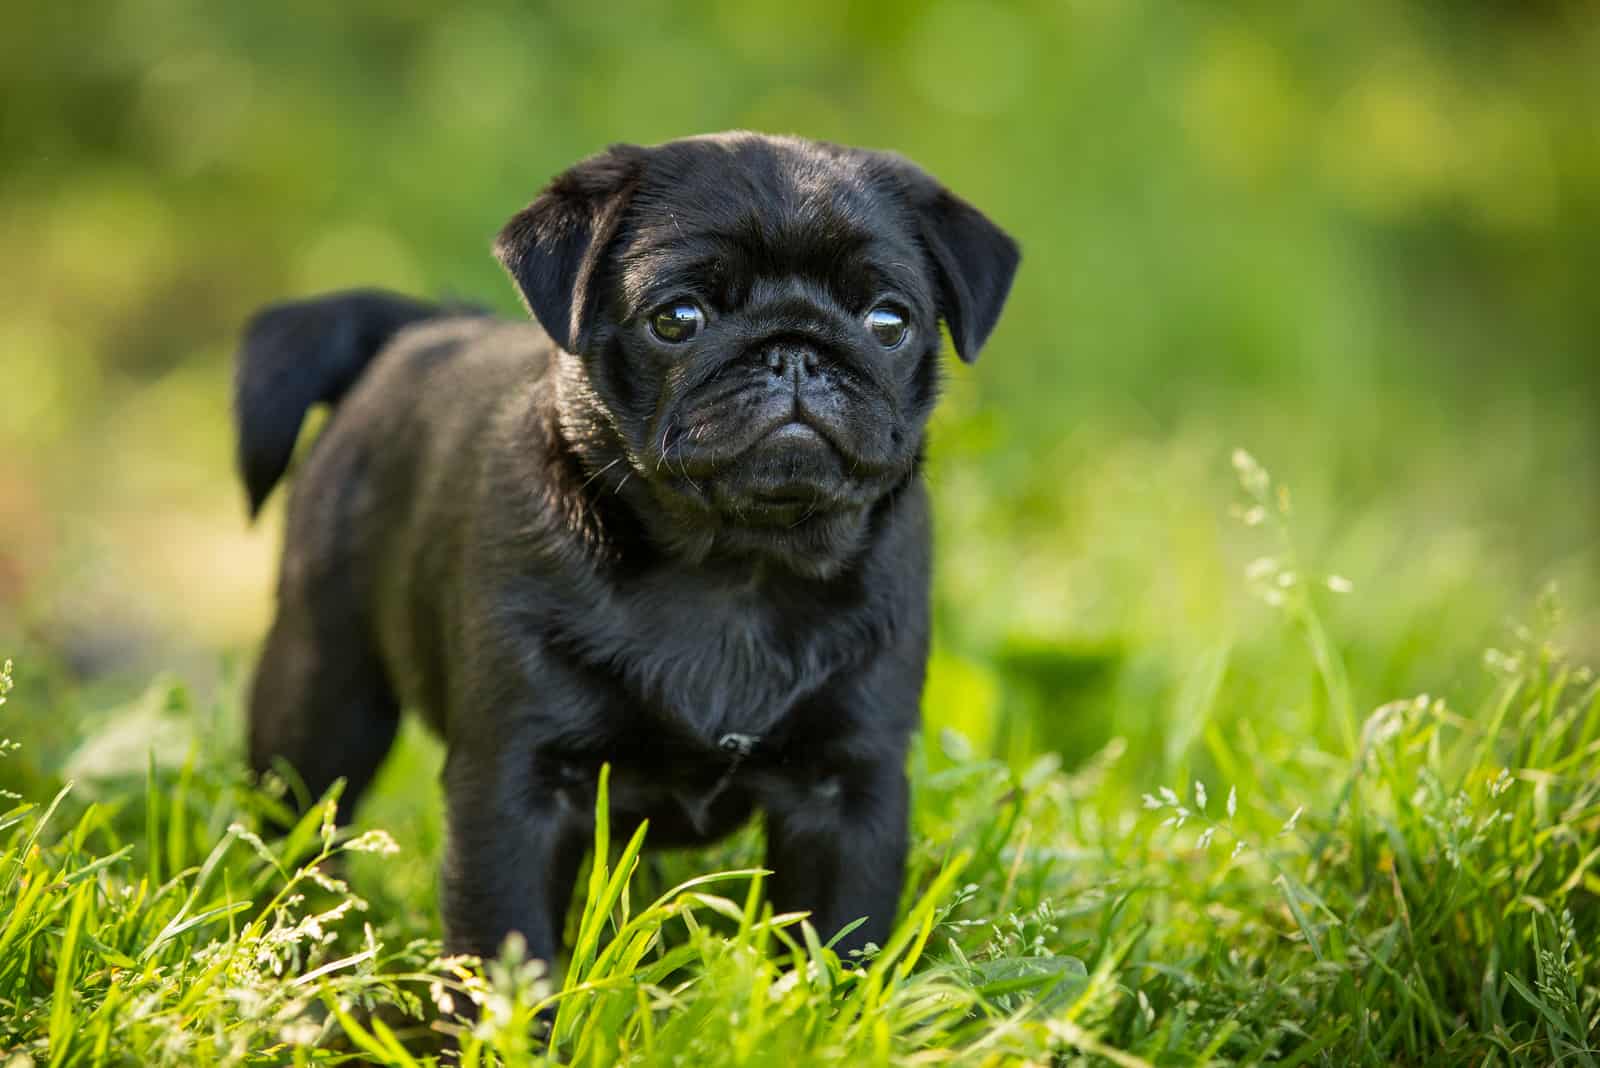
{"x":553,"y":247}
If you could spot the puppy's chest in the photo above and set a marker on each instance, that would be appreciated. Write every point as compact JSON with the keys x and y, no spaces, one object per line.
{"x":720,"y":660}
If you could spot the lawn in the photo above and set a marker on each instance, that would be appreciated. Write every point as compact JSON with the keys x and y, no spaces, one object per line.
{"x":1413,"y":883}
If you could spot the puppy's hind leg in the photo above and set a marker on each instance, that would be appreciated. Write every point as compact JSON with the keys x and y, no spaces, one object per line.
{"x":321,"y":701}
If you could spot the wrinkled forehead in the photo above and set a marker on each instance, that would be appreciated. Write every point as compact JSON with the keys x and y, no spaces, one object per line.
{"x":713,"y":217}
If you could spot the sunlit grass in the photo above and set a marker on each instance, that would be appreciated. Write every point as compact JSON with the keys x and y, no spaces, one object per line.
{"x":1415,"y":883}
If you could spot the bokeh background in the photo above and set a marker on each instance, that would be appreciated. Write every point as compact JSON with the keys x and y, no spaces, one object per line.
{"x":1361,"y":241}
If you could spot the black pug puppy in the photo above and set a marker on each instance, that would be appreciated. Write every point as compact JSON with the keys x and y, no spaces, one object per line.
{"x":680,"y":529}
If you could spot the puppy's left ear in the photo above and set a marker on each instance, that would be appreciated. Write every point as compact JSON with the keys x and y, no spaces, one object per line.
{"x":974,"y":259}
{"x":553,"y":248}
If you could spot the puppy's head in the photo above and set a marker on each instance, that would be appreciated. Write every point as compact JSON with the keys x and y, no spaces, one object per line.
{"x":753,"y":326}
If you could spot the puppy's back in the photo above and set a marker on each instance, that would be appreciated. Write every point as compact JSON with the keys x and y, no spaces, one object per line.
{"x":382,"y":502}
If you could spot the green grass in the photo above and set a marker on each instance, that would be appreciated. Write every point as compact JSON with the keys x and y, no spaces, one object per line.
{"x":1273,"y":872}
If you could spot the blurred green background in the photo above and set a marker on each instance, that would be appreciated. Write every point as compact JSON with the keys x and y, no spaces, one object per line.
{"x":1360,"y":240}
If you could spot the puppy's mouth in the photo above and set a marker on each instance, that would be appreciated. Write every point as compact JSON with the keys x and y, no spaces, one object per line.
{"x":783,"y":508}
{"x":791,"y":474}
{"x":776,"y":458}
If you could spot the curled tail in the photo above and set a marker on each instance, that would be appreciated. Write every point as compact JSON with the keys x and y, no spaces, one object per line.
{"x":301,"y":353}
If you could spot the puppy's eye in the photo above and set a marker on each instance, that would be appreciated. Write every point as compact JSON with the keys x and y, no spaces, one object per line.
{"x":888,"y":325}
{"x":677,"y":322}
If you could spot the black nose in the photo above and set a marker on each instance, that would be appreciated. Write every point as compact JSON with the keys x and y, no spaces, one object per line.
{"x":792,"y":361}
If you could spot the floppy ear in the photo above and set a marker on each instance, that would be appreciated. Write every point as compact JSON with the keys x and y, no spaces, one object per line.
{"x":553,"y":247}
{"x":974,"y":259}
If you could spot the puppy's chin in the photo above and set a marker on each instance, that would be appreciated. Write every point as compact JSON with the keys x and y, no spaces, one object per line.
{"x":787,"y":476}
{"x":790,"y":499}
{"x":812,"y":545}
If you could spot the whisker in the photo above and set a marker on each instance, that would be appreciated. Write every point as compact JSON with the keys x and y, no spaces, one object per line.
{"x":600,"y":472}
{"x":816,"y":499}
{"x":684,"y":471}
{"x":662,"y":452}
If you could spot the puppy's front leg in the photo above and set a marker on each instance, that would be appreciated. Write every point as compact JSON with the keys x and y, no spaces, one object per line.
{"x":514,"y":849}
{"x":838,"y":849}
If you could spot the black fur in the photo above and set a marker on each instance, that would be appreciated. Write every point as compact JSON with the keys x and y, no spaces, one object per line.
{"x":706,"y":563}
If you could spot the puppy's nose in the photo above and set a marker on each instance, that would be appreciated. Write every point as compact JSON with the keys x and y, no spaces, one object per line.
{"x":792,"y":361}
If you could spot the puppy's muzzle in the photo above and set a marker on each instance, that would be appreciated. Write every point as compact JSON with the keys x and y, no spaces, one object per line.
{"x":802,"y":397}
